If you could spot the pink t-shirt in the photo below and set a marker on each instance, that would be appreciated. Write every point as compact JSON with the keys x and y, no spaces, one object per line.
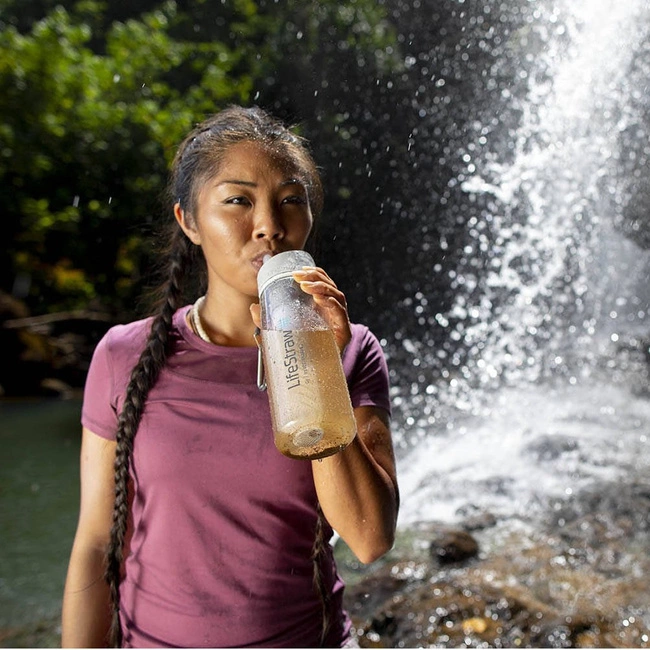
{"x":223,"y":524}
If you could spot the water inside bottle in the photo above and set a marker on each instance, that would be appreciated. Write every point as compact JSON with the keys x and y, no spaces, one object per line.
{"x":310,"y":404}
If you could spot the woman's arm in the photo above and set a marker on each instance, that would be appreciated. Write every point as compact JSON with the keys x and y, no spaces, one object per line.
{"x":357,"y":488}
{"x":86,"y":602}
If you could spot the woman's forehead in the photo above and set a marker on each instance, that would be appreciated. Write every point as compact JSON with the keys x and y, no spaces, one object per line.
{"x":252,"y":158}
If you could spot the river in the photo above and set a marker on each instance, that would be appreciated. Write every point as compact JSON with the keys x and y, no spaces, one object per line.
{"x":39,"y":501}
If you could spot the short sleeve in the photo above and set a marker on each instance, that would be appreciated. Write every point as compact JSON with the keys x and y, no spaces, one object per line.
{"x":99,"y":409}
{"x":366,"y":370}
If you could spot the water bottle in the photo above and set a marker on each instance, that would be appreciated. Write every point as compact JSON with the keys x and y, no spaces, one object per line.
{"x":311,"y":412}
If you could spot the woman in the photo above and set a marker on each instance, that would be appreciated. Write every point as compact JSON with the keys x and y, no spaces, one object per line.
{"x":214,"y":538}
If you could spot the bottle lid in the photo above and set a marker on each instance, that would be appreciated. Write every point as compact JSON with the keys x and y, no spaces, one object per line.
{"x":282,"y":264}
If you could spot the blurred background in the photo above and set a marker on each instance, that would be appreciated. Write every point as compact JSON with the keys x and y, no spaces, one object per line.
{"x":486,"y":174}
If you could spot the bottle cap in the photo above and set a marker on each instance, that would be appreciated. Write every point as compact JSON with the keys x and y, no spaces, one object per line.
{"x":282,"y":264}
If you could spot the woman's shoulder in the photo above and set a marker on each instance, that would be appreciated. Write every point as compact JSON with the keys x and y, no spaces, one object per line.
{"x":362,"y":337}
{"x":130,"y":335}
{"x":363,"y":346}
{"x":122,"y":344}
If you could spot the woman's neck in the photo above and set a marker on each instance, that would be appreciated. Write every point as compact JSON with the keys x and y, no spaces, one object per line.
{"x":224,"y":322}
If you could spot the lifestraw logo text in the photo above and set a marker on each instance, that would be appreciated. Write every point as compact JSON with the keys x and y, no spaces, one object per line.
{"x":290,"y":361}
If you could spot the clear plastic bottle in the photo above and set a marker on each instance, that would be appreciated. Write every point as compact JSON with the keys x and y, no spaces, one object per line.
{"x":311,"y":412}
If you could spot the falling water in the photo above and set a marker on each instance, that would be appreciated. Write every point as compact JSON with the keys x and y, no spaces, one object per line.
{"x":551,"y":331}
{"x":526,"y":413}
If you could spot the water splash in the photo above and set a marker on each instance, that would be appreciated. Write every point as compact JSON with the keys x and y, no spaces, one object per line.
{"x":557,"y":284}
{"x":562,"y":296}
{"x":553,"y":196}
{"x":536,"y":446}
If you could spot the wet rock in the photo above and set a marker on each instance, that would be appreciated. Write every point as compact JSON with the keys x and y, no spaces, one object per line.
{"x":452,"y":545}
{"x":550,"y":447}
{"x":443,"y":612}
{"x":479,"y":521}
{"x":631,"y":349}
{"x":531,"y":589}
{"x":372,"y":596}
{"x":498,"y":485}
{"x":473,"y":517}
{"x":384,"y":624}
{"x":475,"y":625}
{"x":565,"y":632}
{"x":610,"y":510}
{"x":465,"y":610}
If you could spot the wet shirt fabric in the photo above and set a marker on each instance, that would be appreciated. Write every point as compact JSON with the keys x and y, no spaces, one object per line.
{"x":222,"y":524}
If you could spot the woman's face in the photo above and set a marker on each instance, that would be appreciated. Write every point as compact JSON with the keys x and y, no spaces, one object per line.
{"x":254,"y":206}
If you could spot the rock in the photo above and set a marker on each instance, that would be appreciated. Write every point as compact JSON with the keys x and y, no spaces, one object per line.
{"x":451,"y":545}
{"x":474,"y":625}
{"x":532,"y":589}
{"x":480,"y":521}
{"x":568,"y":632}
{"x":475,"y":518}
{"x":609,"y":510}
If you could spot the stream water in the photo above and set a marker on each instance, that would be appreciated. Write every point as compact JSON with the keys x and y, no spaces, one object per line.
{"x":39,"y":501}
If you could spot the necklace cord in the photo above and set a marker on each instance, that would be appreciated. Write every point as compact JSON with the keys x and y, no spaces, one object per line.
{"x":195,"y":319}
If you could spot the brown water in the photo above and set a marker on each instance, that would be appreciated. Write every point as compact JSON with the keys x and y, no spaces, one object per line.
{"x":310,"y":404}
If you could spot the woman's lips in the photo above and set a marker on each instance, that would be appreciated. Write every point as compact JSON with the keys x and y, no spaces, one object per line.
{"x":260,"y":259}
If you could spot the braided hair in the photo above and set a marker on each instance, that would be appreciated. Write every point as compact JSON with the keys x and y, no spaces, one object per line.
{"x":197,"y":160}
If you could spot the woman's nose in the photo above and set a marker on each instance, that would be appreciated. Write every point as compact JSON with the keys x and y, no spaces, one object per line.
{"x":268,"y":224}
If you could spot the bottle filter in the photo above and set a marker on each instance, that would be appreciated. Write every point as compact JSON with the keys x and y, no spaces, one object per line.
{"x":311,"y":412}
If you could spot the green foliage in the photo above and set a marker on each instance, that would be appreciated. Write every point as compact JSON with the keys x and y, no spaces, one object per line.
{"x":95,"y":97}
{"x":85,"y":142}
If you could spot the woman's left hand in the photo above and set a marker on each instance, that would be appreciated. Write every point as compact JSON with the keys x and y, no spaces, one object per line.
{"x":329,"y":299}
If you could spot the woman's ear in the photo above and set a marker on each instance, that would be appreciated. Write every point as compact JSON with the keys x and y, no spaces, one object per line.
{"x":187,"y":224}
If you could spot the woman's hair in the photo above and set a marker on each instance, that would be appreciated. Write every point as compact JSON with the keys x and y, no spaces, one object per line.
{"x":201,"y":153}
{"x":197,"y":160}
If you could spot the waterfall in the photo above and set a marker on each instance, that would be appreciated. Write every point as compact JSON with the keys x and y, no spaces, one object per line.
{"x":559,"y":283}
{"x":556,"y":265}
{"x":550,"y":329}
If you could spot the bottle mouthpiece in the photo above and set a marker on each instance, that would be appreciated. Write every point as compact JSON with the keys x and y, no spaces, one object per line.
{"x":281,"y":265}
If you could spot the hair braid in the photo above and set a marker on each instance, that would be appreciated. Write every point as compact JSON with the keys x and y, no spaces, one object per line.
{"x":318,"y":556}
{"x":143,"y":377}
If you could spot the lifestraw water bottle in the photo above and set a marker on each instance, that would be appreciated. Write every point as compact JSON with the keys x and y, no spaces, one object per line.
{"x":310,"y":404}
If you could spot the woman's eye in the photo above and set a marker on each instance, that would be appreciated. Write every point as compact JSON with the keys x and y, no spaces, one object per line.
{"x":294,"y":199}
{"x":237,"y":200}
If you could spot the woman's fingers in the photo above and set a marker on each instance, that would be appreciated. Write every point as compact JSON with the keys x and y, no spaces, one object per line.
{"x":329,"y":299}
{"x":255,"y":314}
{"x":322,"y":290}
{"x":317,"y":283}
